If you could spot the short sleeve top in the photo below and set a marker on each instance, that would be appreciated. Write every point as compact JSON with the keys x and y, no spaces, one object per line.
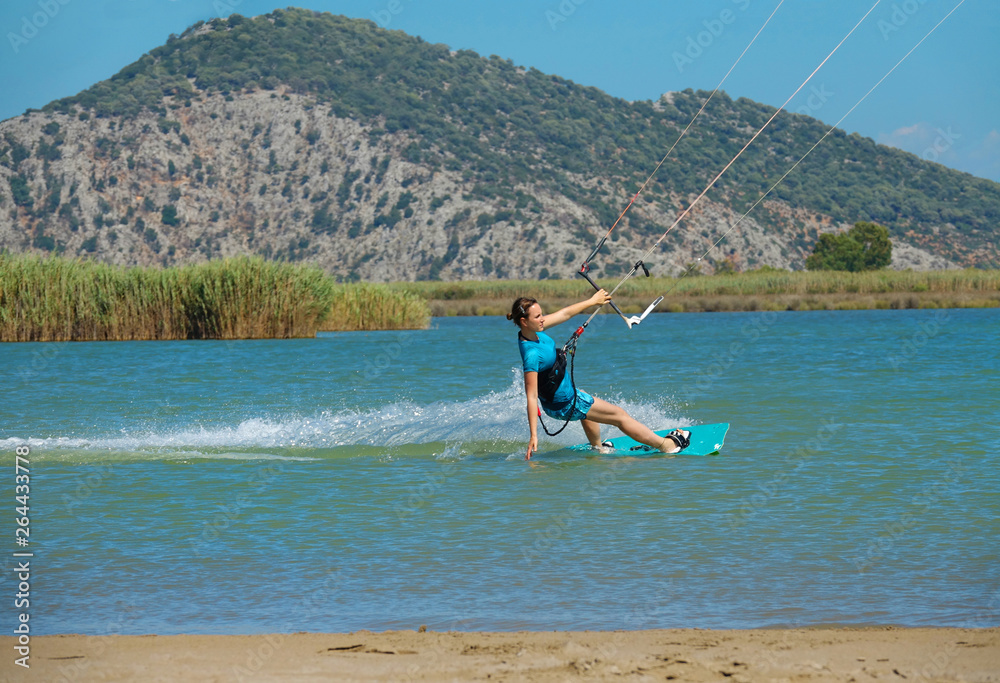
{"x":539,"y":356}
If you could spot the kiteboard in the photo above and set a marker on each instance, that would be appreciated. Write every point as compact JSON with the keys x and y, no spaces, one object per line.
{"x":705,"y":440}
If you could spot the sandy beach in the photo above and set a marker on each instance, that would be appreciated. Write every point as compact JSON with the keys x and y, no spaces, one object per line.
{"x":851,"y":654}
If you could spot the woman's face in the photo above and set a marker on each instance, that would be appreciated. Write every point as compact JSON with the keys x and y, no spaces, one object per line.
{"x":535,"y":322}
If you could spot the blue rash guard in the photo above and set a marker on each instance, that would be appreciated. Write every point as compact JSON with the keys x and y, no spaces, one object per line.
{"x":539,"y":356}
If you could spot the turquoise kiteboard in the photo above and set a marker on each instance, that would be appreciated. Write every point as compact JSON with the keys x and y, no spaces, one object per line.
{"x":705,"y":440}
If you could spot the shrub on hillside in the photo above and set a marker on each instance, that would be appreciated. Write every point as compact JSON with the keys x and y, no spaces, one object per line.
{"x":866,"y":246}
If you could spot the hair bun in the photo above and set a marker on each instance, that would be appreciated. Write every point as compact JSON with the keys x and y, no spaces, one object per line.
{"x":519,"y":310}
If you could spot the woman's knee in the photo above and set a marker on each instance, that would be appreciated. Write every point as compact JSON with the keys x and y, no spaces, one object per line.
{"x":620,"y":416}
{"x":608,"y":413}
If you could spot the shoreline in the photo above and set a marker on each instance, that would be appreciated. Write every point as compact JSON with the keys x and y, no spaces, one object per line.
{"x":57,"y":299}
{"x":816,"y":653}
{"x":762,"y":290}
{"x":742,"y":303}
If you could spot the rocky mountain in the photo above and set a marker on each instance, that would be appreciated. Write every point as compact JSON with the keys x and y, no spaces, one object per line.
{"x":310,"y":137}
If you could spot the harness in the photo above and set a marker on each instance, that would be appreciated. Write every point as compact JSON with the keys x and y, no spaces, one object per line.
{"x":549,"y":380}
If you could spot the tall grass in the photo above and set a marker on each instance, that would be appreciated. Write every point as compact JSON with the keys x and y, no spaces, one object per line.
{"x":754,"y":282}
{"x":376,"y":307}
{"x":248,"y":297}
{"x":56,"y":299}
{"x":776,"y":290}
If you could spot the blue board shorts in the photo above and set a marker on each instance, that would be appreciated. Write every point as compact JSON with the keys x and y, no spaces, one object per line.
{"x":583,"y":403}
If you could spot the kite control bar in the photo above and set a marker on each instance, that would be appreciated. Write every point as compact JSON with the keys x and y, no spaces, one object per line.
{"x":636,"y":319}
{"x":629,"y":320}
{"x":585,"y":272}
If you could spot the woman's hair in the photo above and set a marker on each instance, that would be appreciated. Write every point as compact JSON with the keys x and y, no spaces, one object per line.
{"x":519,"y":311}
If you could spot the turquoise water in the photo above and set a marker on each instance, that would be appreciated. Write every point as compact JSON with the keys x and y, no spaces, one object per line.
{"x":377,"y":480}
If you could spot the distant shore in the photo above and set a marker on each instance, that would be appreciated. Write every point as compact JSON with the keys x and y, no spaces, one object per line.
{"x":763,"y":290}
{"x":60,"y":299}
{"x":816,"y":654}
{"x":735,"y":303}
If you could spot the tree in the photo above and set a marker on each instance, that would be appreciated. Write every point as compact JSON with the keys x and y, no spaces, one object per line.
{"x":169,"y":215}
{"x":866,"y":246}
{"x":835,"y":252}
{"x":727,"y":266}
{"x":322,"y":220}
{"x":875,"y":243}
{"x":20,"y":191}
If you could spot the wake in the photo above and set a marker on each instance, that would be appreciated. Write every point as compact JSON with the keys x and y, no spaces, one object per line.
{"x":497,"y":417}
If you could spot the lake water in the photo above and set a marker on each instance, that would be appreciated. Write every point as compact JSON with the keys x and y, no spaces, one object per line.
{"x":377,"y":480}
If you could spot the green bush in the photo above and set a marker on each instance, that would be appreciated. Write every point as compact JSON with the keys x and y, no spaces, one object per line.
{"x":168,"y":215}
{"x":866,"y":246}
{"x":20,"y":191}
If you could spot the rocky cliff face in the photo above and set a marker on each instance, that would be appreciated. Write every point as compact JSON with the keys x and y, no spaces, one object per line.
{"x":277,"y":174}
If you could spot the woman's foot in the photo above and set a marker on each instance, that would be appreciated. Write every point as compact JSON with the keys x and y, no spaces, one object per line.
{"x":676,"y":441}
{"x":605,"y":447}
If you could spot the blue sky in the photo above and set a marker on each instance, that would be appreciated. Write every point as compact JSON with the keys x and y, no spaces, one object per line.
{"x":942,"y":103}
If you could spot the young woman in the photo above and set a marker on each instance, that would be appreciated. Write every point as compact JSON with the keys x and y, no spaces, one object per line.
{"x":538,"y":356}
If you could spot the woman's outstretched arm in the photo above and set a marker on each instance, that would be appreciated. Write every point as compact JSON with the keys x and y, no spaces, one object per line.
{"x":562,"y":315}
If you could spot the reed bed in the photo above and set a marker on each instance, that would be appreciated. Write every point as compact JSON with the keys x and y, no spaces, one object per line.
{"x":376,"y":307}
{"x":756,"y":290}
{"x":250,"y":298}
{"x":57,"y":299}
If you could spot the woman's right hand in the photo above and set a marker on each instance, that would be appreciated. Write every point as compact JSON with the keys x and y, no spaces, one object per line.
{"x":532,"y":447}
{"x":600,"y":298}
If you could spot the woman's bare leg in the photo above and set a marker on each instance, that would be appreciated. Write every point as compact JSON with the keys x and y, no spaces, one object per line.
{"x":610,"y":414}
{"x":593,"y":432}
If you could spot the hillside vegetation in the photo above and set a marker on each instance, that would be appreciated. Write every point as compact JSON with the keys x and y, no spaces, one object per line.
{"x":311,"y":137}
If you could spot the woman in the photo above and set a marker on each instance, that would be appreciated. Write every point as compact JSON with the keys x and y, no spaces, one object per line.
{"x":538,"y":356}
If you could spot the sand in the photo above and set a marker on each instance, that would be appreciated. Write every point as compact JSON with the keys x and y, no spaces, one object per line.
{"x":852,"y":654}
